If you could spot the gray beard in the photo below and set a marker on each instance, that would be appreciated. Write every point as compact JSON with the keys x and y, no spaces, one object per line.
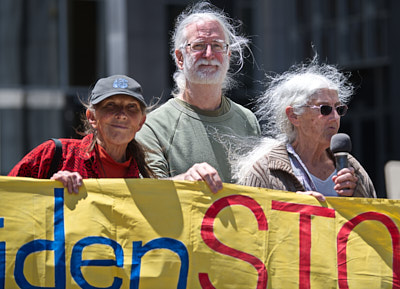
{"x":198,"y":76}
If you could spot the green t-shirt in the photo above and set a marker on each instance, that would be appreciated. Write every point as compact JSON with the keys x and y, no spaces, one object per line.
{"x":179,"y":135}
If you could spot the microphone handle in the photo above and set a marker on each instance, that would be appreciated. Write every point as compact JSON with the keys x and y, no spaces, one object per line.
{"x":341,"y":160}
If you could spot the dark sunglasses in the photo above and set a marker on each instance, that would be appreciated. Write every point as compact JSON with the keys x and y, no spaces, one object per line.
{"x":327,"y":109}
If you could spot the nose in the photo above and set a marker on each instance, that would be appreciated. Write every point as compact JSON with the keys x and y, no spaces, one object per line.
{"x":208,"y":51}
{"x":121,"y":113}
{"x":335,"y":114}
{"x":334,"y":110}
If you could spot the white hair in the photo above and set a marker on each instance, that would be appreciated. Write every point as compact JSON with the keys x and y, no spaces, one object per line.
{"x":242,"y":164}
{"x":295,"y":88}
{"x":207,"y":11}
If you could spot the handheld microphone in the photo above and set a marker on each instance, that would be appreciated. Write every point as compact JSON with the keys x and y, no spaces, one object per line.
{"x":340,"y":147}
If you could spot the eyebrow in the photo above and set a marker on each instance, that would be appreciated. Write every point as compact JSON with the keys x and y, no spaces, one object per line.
{"x":204,"y":40}
{"x":327,"y":103}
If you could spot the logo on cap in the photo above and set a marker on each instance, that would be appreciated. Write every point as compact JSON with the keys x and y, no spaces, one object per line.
{"x":120,"y":83}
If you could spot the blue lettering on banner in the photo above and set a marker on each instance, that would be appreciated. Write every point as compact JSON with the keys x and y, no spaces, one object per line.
{"x":176,"y":246}
{"x":58,"y":246}
{"x":77,"y":262}
{"x":2,"y":259}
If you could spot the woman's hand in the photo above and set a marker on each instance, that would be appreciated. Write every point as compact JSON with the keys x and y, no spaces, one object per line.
{"x":70,"y":180}
{"x":320,"y":197}
{"x":345,"y":182}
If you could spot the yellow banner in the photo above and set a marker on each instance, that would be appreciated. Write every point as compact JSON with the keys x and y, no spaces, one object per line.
{"x":129,"y":233}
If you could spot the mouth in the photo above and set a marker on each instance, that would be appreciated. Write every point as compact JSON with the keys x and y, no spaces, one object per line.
{"x":208,"y":66}
{"x":118,"y":126}
{"x":207,"y":63}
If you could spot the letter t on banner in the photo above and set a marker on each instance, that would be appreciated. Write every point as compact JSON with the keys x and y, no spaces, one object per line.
{"x":306,"y":211}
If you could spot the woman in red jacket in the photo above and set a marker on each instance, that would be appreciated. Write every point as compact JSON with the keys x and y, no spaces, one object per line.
{"x":115,"y":112}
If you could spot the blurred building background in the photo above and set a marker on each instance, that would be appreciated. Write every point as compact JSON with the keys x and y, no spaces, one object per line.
{"x":53,"y":51}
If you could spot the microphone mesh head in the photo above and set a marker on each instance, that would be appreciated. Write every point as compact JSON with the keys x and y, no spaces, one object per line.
{"x":340,"y":143}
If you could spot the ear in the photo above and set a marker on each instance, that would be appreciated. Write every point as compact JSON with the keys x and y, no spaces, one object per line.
{"x":91,"y":118}
{"x":293,"y":118}
{"x":179,"y":58}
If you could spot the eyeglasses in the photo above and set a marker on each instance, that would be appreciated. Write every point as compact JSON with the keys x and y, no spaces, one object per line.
{"x":216,"y":46}
{"x":327,"y":109}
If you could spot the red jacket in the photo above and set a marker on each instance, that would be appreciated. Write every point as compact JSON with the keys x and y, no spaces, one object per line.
{"x":76,"y":157}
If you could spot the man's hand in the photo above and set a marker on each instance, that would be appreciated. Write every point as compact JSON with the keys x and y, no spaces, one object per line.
{"x":70,"y":180}
{"x":202,"y":172}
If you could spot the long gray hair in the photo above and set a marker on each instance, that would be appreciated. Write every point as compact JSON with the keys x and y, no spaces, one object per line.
{"x":207,"y":11}
{"x":297,"y":87}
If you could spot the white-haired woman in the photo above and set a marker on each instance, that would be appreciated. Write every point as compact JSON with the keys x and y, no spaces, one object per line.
{"x":302,"y":109}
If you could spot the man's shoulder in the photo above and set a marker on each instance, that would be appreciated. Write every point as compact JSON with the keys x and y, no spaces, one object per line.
{"x":161,"y":120}
{"x":167,"y":108}
{"x":245,"y":115}
{"x":241,"y":109}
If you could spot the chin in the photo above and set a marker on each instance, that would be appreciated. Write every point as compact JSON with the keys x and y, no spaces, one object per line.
{"x":208,"y":78}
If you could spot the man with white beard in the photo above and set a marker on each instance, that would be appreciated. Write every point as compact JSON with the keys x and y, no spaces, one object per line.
{"x":185,"y":135}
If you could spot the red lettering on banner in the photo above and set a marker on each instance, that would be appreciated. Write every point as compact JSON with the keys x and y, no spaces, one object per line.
{"x":306,"y":211}
{"x":343,"y":237}
{"x":207,"y":233}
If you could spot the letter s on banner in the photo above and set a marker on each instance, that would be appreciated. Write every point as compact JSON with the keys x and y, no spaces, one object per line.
{"x":207,"y":233}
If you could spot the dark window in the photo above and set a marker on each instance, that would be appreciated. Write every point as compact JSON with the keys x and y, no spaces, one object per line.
{"x":83,"y":42}
{"x":354,"y":7}
{"x":303,"y":12}
{"x":29,"y":43}
{"x":329,"y":9}
{"x":172,"y":12}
